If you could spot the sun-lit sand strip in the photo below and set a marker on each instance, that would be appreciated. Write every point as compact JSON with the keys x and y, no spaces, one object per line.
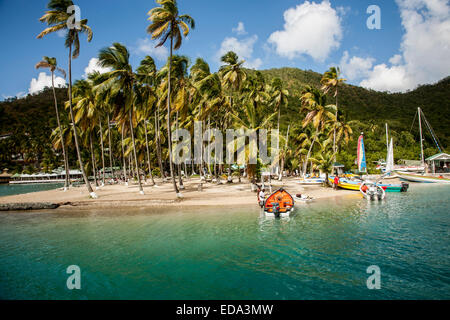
{"x":116,"y":196}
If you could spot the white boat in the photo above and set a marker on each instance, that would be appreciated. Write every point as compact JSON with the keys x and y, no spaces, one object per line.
{"x":312,"y":181}
{"x":372,"y":191}
{"x":422,"y":178}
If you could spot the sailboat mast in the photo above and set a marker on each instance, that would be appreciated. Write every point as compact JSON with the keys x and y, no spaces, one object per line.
{"x":387,"y":139}
{"x":419,"y":111}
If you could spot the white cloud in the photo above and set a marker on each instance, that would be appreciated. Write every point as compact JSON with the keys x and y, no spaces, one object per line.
{"x":94,"y":66}
{"x":311,"y":28}
{"x":253,"y":64}
{"x":43,"y":81}
{"x":243,"y":48}
{"x":384,"y":78}
{"x":356,"y":67}
{"x":396,"y":59}
{"x":240,"y":29}
{"x":147,"y":46}
{"x":425,"y":48}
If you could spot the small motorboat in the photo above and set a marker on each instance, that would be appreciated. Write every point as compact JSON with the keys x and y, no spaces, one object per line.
{"x":303,"y":198}
{"x":279,"y":204}
{"x":372,"y":191}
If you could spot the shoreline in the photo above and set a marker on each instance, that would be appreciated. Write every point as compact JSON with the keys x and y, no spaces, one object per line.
{"x":162,"y":195}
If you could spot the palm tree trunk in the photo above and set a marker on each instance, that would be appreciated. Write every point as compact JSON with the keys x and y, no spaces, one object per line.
{"x":124,"y":159}
{"x":307,"y":157}
{"x":66,"y":163}
{"x":110,"y":148}
{"x":334,"y":132}
{"x":168,"y":121}
{"x":141,"y":190}
{"x":158,"y":144}
{"x":230,"y":178}
{"x":94,"y":172}
{"x":75,"y":135}
{"x":103,"y":154}
{"x":180,"y":178}
{"x":148,"y":153}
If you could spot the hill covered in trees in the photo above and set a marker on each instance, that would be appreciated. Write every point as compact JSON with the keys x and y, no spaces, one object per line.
{"x":377,"y":108}
{"x":29,"y":121}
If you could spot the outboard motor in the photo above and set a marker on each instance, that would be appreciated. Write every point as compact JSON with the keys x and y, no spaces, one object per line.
{"x":276,"y":209}
{"x":405,"y":187}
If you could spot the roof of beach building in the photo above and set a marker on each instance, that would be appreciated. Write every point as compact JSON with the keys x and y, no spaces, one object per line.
{"x":5,"y":173}
{"x":439,"y":156}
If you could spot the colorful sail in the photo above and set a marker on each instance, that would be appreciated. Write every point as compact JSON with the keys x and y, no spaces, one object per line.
{"x":361,"y":159}
{"x":390,"y":158}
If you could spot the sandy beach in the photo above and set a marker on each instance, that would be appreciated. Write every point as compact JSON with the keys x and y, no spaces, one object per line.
{"x":162,"y":194}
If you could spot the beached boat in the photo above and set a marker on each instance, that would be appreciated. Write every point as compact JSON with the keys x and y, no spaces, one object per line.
{"x":348,"y":184}
{"x":422,"y":178}
{"x":279,"y":204}
{"x":311,"y":181}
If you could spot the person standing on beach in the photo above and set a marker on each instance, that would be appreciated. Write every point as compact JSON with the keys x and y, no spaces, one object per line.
{"x":336,"y":182}
{"x":261,"y":197}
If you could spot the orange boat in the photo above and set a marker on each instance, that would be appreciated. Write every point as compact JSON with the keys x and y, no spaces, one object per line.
{"x":279,"y":204}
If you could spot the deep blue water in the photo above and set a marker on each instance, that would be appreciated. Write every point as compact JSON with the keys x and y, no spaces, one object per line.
{"x":320,"y":253}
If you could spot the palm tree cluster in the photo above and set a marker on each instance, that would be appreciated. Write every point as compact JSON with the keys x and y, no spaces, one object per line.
{"x":125,"y":117}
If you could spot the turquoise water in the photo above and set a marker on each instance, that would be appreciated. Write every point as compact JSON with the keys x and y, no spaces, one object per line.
{"x":320,"y":253}
{"x":13,"y":189}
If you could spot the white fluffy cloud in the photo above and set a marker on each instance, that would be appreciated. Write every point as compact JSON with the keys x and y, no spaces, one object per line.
{"x":311,"y":28}
{"x":147,"y":46}
{"x":94,"y":66}
{"x":425,"y":48}
{"x":44,"y":80}
{"x":355,"y":67}
{"x":240,"y":29}
{"x":243,"y":48}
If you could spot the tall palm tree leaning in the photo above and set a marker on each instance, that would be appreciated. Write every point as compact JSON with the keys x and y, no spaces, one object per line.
{"x":57,"y":18}
{"x":331,"y":79}
{"x":51,"y":64}
{"x":165,"y":24}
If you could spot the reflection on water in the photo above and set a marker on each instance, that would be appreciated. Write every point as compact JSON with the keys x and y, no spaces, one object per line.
{"x":321,"y":252}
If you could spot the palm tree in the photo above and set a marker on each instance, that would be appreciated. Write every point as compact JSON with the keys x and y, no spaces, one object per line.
{"x":342,"y":132}
{"x":167,"y":23}
{"x":51,"y":64}
{"x":324,"y":161}
{"x":146,"y":74}
{"x":117,"y":58}
{"x":233,"y":76}
{"x":279,"y":97}
{"x":318,"y":114}
{"x":57,"y":18}
{"x":331,"y":79}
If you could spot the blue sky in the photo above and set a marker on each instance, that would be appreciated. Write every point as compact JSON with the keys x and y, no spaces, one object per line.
{"x":268,"y":34}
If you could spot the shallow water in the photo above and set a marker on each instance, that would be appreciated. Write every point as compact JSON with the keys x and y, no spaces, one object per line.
{"x":320,"y":253}
{"x":13,"y":189}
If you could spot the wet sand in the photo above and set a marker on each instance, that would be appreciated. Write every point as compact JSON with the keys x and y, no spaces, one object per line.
{"x":162,"y":194}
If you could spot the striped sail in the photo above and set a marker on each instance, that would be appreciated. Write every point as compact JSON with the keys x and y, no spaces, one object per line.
{"x":361,"y":159}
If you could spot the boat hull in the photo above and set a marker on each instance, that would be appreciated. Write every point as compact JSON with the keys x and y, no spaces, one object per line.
{"x":422,"y":179}
{"x":279,"y":204}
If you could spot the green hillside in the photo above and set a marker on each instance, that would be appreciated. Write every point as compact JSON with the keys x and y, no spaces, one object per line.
{"x":397,"y":109}
{"x":30,"y":120}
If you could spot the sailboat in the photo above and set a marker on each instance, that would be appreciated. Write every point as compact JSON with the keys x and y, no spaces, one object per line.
{"x":422,"y":177}
{"x":403,"y":187}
